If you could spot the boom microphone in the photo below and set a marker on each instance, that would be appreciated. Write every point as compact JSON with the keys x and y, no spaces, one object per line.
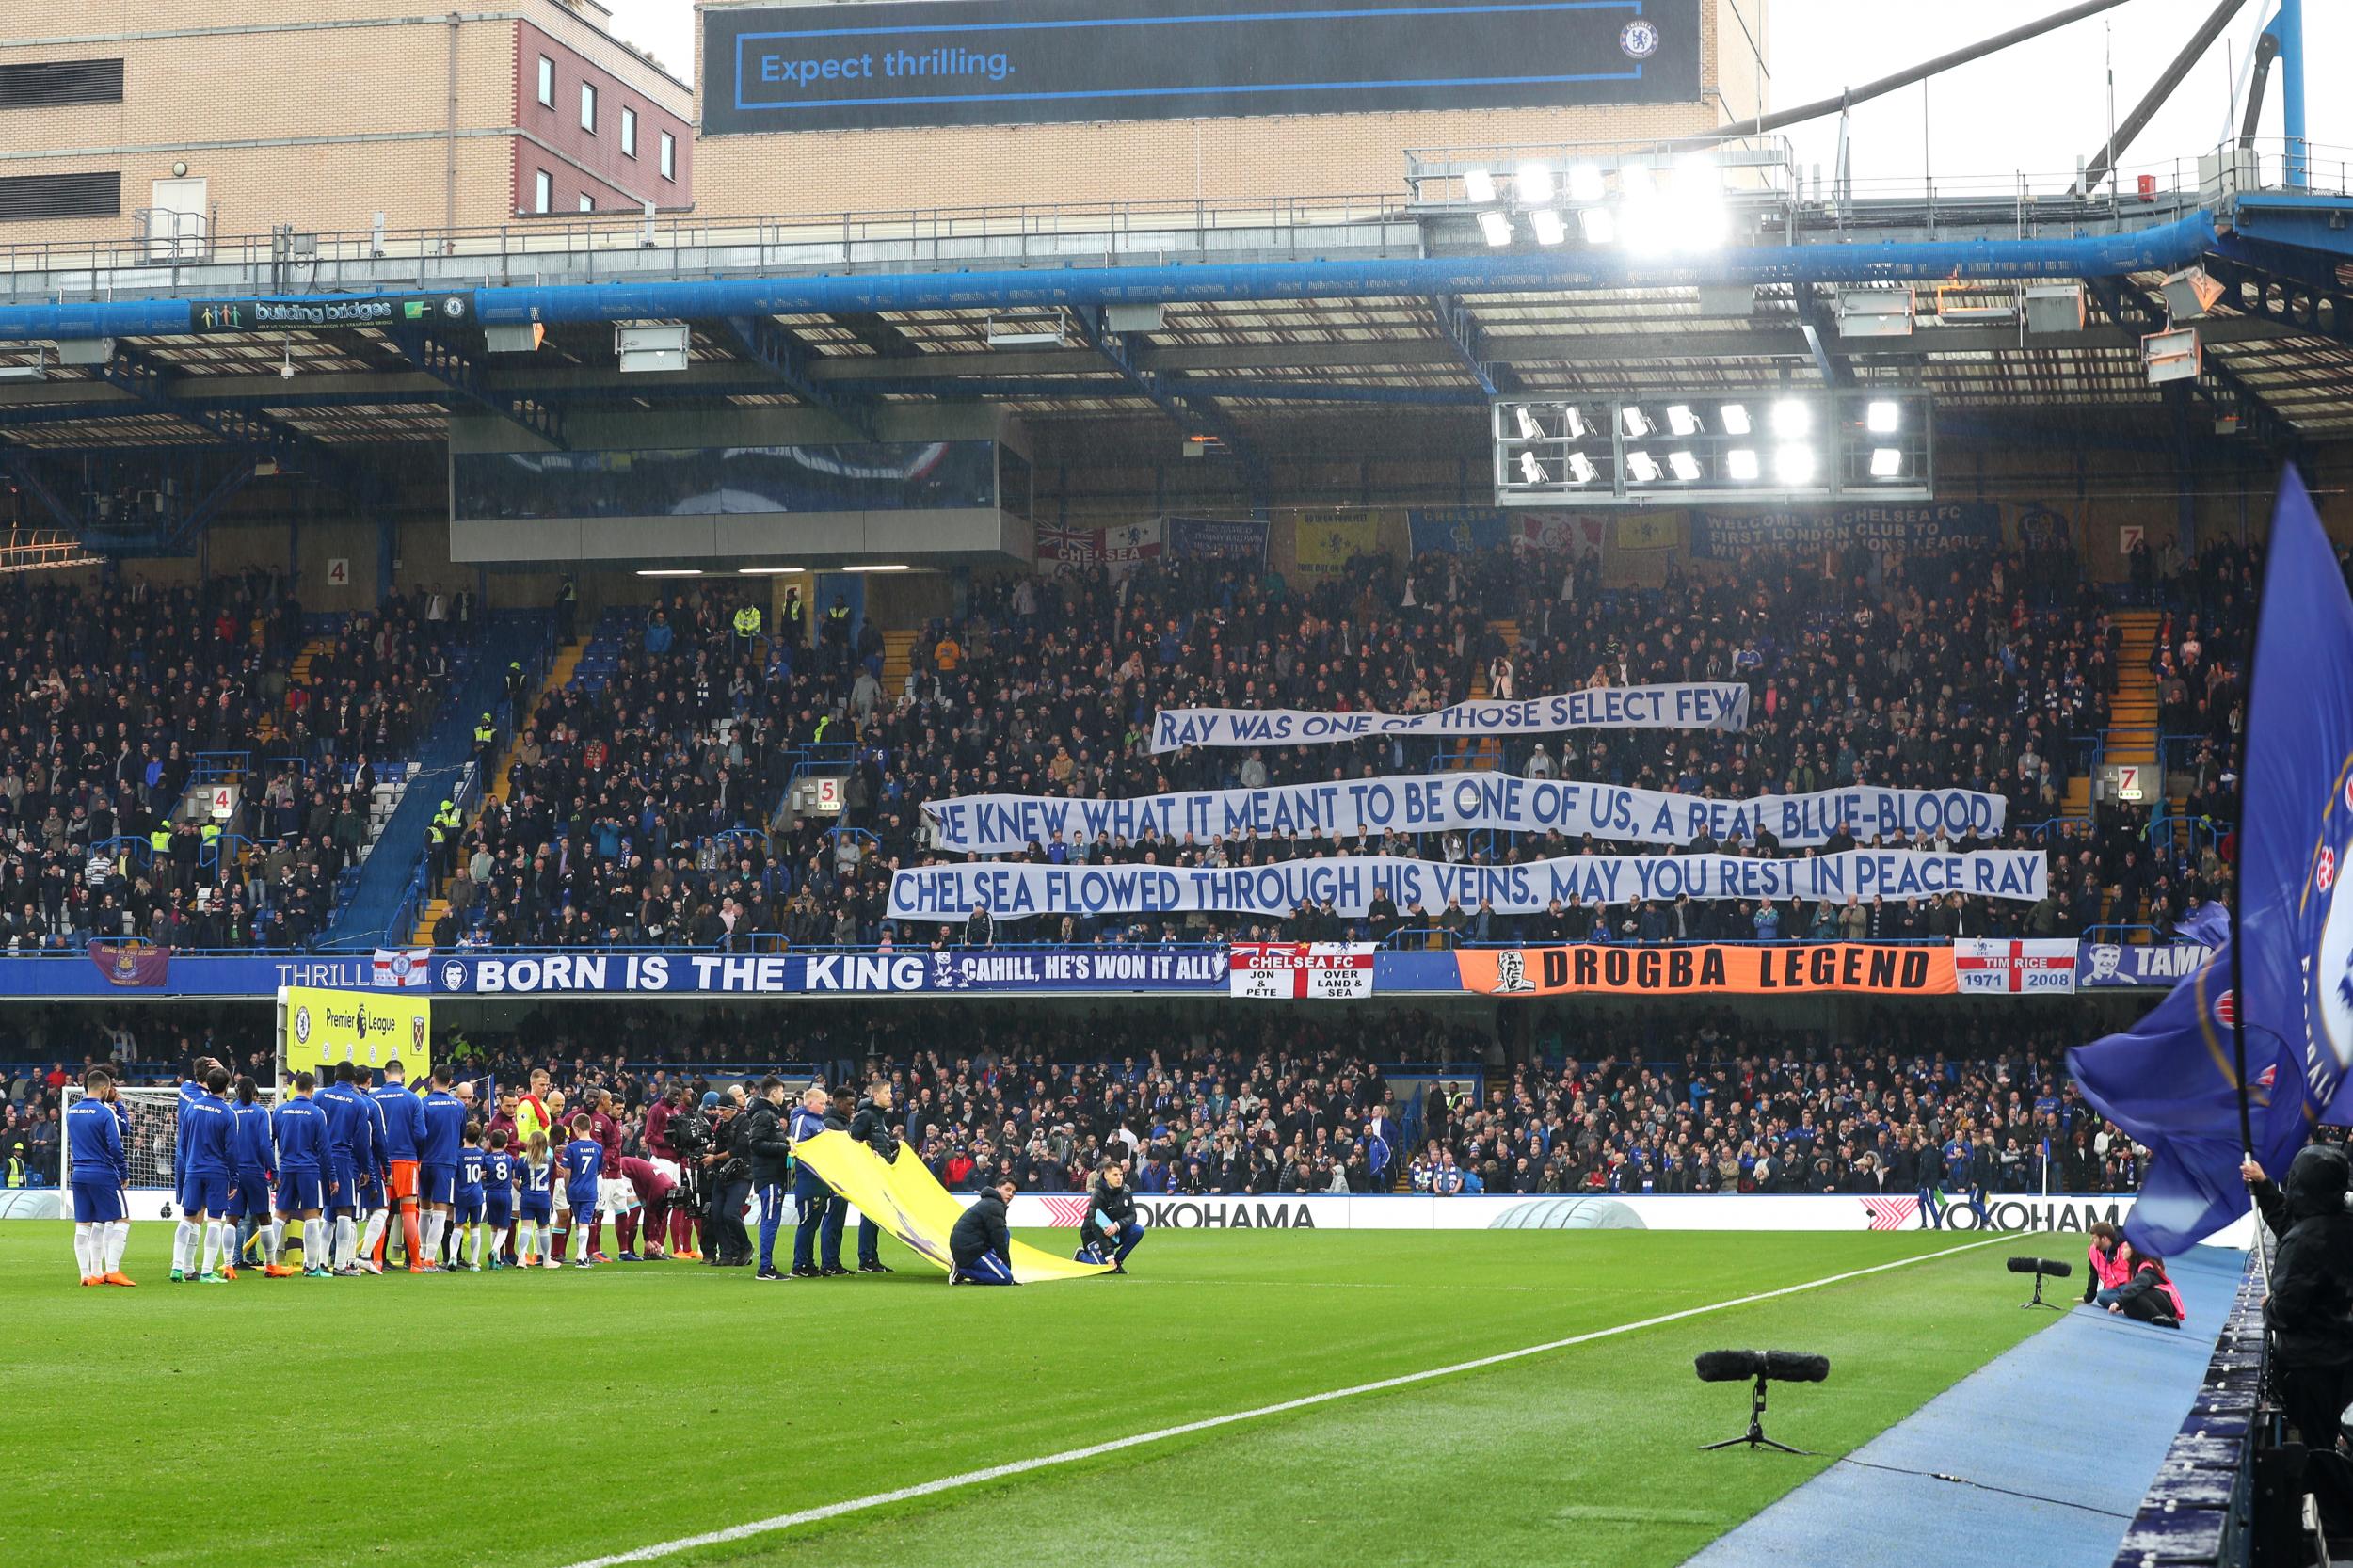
{"x":1773,"y":1365}
{"x":2049,"y":1267}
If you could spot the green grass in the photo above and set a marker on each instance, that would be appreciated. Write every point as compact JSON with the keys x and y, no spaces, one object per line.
{"x":546,"y":1418}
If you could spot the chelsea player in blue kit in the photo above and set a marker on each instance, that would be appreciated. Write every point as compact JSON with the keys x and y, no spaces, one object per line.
{"x":205,"y":1161}
{"x":252,"y":1160}
{"x":436,"y":1166}
{"x":303,"y":1157}
{"x":583,"y":1162}
{"x":94,"y":1137}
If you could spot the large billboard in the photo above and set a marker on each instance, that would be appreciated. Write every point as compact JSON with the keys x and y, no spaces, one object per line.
{"x":996,"y":62}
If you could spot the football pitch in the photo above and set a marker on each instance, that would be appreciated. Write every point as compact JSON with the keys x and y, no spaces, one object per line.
{"x":555,"y":1418}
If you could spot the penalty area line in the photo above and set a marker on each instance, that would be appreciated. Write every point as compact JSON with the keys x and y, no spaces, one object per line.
{"x":1210,"y":1423}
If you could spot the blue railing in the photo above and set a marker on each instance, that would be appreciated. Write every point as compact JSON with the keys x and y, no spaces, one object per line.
{"x":216,"y":767}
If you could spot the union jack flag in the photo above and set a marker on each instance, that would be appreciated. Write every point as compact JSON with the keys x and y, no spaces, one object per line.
{"x":1070,"y":546}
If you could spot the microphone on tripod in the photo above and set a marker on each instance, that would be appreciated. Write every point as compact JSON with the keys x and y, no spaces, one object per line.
{"x":2043,"y":1269}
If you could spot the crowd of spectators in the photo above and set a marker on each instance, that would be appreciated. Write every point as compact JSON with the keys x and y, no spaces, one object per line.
{"x":1681,"y":1100}
{"x":120,"y":695}
{"x":649,"y":809}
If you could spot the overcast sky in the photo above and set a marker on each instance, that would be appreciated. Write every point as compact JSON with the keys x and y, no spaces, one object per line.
{"x":2036,"y":107}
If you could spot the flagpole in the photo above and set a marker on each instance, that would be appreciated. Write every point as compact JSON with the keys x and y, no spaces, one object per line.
{"x":2246,"y":751}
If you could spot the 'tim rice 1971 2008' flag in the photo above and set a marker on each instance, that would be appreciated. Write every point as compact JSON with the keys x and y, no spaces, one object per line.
{"x":2175,"y":1081}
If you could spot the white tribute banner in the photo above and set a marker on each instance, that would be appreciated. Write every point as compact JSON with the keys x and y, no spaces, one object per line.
{"x":1439,"y":802}
{"x":1018,"y":891}
{"x":1716,"y":706}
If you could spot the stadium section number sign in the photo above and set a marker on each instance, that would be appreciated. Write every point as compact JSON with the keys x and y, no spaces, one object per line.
{"x":367,"y":1027}
{"x":995,"y":62}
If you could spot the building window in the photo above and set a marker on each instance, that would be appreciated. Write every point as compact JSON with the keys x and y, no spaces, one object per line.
{"x":587,"y":202}
{"x":628,"y":132}
{"x":669,"y":156}
{"x":47,"y":83}
{"x":543,"y":192}
{"x":588,"y":108}
{"x":26,"y":196}
{"x":547,"y":81}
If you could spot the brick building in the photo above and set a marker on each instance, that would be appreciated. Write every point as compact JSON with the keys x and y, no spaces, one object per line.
{"x":1213,"y":157}
{"x":178,"y":121}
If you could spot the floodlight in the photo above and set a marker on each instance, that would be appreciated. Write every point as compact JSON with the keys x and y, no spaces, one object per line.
{"x":1584,"y":183}
{"x":1533,"y":183}
{"x":1637,"y":423}
{"x":1530,"y":429}
{"x":1793,"y":465}
{"x":1881,"y":416}
{"x":1548,"y":227}
{"x":1496,"y":227}
{"x":1682,"y":421}
{"x":1792,"y":417}
{"x":1641,"y":467}
{"x":1532,"y":472}
{"x":1597,"y":226}
{"x":1706,"y":225}
{"x":1685,"y":466}
{"x":2053,"y":308}
{"x":1582,"y":468}
{"x":1697,"y":174}
{"x":2174,"y":355}
{"x":644,"y":349}
{"x":1736,"y":417}
{"x":1886,"y":463}
{"x":1575,"y":424}
{"x":1479,"y":184}
{"x":1740,"y":463}
{"x":2190,"y":294}
{"x":1871,"y":312}
{"x":1635,"y":182}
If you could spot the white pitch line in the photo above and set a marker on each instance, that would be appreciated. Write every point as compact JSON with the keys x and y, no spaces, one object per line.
{"x":1096,"y":1450}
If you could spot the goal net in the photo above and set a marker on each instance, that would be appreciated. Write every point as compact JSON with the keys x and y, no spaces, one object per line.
{"x":150,"y":1132}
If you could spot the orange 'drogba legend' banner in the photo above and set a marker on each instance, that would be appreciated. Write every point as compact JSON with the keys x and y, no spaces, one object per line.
{"x":1800,"y":968}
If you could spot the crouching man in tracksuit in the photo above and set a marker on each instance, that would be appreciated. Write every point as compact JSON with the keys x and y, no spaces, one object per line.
{"x":871,"y":1127}
{"x":1111,"y":1229}
{"x":980,"y":1244}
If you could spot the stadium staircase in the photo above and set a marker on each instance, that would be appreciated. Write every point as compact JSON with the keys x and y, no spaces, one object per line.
{"x":501,"y":785}
{"x":897,"y":662}
{"x":2133,"y":720}
{"x":298,"y":674}
{"x":1484,"y":755}
{"x":366,"y":917}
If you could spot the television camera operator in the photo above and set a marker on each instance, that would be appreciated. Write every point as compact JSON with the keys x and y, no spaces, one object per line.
{"x":687,"y":1132}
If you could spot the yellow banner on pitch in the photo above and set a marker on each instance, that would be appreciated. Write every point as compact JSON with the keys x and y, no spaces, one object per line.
{"x":905,"y":1199}
{"x":367,"y":1027}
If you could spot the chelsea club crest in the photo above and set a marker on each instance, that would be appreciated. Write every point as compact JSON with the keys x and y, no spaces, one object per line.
{"x":2328,"y":983}
{"x":1639,"y":39}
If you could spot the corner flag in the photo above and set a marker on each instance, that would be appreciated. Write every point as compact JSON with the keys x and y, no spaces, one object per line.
{"x":2248,"y":1053}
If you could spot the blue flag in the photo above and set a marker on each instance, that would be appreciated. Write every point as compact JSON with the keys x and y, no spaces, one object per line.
{"x":2171,"y":1081}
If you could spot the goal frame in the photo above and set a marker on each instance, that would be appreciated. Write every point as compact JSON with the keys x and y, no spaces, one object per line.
{"x":142,"y":1199}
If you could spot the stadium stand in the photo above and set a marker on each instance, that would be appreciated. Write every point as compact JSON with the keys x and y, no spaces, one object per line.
{"x":645,"y":804}
{"x":1708,"y":1103}
{"x":131,"y":706}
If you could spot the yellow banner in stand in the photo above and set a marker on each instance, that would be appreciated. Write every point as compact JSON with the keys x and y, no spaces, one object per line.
{"x":905,"y":1199}
{"x":367,"y":1027}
